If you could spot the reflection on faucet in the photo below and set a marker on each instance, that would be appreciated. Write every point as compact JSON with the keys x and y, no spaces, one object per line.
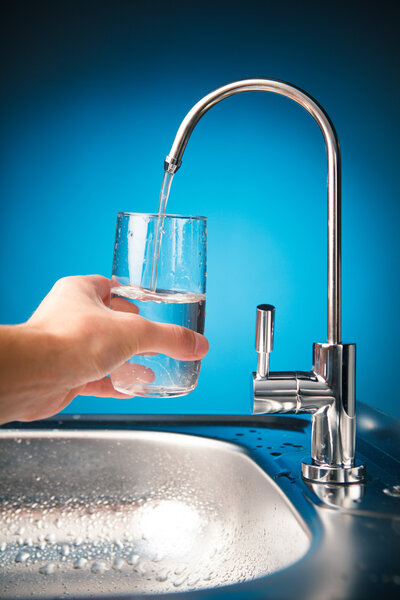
{"x":340,"y":496}
{"x":328,"y":390}
{"x":328,"y":393}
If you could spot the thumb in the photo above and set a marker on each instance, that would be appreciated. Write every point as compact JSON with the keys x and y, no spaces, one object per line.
{"x":173,"y":340}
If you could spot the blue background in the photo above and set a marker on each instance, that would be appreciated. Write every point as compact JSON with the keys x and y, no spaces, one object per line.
{"x":93,"y":95}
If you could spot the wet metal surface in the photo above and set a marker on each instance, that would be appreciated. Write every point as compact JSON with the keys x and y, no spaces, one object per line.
{"x":89,"y":513}
{"x":123,"y":506}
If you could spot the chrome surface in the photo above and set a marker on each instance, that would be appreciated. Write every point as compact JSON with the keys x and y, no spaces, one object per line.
{"x":323,"y":474}
{"x":100,"y":477}
{"x":140,"y":512}
{"x":173,"y":162}
{"x":328,"y":391}
{"x":275,"y":394}
{"x":264,"y":337}
{"x":340,"y":496}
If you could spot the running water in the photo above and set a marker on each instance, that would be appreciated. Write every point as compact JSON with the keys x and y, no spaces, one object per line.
{"x":165,"y":188}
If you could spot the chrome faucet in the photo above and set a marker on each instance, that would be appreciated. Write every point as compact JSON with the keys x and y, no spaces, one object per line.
{"x":328,"y":390}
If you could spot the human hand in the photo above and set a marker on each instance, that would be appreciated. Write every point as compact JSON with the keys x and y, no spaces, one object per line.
{"x":72,"y":342}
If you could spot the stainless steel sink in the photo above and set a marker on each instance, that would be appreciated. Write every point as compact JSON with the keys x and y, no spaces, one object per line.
{"x":89,"y":513}
{"x":196,"y":506}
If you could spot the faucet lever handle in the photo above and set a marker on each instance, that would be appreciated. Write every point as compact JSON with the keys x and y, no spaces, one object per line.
{"x":264,"y":338}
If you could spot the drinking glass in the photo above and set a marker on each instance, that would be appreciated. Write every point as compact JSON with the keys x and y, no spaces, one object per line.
{"x":178,"y":267}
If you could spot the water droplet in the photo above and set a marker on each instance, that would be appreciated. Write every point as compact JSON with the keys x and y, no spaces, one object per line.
{"x":133,"y":559}
{"x":22,"y":556}
{"x":65,"y":550}
{"x":162,"y":575}
{"x":157,"y":558}
{"x":178,"y":582}
{"x":50,"y":538}
{"x":80,"y":563}
{"x":99,"y":566}
{"x":118,"y":564}
{"x":392,"y":491}
{"x":180,"y":569}
{"x":47,"y":569}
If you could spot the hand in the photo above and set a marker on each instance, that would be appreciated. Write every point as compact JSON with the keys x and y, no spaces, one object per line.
{"x":72,"y":342}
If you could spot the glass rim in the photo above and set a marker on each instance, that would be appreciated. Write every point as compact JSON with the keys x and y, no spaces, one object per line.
{"x":155,"y":215}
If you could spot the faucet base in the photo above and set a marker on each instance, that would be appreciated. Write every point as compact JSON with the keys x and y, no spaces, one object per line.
{"x":326,"y":474}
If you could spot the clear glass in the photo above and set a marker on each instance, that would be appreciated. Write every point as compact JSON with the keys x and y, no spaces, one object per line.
{"x":179,"y":296}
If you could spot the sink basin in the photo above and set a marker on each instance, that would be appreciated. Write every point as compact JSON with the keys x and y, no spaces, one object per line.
{"x":94,"y":513}
{"x":204,"y":507}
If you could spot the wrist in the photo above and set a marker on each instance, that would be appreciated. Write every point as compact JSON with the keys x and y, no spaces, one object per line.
{"x":29,"y":359}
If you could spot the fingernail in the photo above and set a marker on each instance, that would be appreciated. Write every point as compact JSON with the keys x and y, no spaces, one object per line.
{"x":201,"y":345}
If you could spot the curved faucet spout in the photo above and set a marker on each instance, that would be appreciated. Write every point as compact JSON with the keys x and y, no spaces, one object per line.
{"x":174,"y":159}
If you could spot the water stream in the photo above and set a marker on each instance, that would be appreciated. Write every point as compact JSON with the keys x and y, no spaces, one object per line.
{"x":165,"y":189}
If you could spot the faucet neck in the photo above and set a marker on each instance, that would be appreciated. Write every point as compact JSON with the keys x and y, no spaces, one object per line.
{"x":174,"y":159}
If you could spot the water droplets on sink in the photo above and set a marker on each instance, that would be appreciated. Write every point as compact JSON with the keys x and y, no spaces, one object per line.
{"x":47,"y":569}
{"x":80,"y":563}
{"x":154,"y":521}
{"x":22,"y":557}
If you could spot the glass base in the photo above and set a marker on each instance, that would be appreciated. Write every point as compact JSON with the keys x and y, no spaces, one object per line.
{"x":167,"y":393}
{"x":154,"y":391}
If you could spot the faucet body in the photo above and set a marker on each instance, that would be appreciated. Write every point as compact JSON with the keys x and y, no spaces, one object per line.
{"x":328,"y":390}
{"x":328,"y":393}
